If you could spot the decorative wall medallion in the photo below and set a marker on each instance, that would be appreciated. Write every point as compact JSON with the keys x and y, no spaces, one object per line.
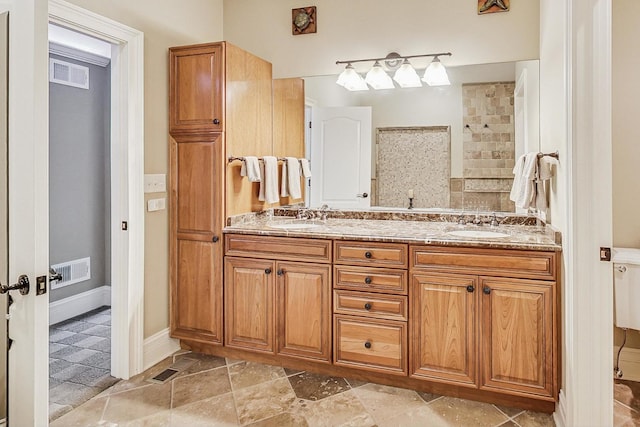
{"x":303,"y":20}
{"x":491,"y":6}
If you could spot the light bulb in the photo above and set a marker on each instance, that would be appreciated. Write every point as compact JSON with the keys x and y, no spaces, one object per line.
{"x":436,"y":74}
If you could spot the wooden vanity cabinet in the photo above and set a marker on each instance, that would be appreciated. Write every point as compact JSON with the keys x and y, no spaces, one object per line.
{"x":219,"y":104}
{"x":496,"y":333}
{"x":278,"y":306}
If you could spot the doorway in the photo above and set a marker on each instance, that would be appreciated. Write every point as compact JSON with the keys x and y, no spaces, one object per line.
{"x":79,"y":219}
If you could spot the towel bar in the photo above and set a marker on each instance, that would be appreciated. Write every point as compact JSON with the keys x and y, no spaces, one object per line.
{"x":555,"y":155}
{"x":234,"y":158}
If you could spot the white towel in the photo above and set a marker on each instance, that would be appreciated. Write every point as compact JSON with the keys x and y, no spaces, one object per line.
{"x":269,"y":183}
{"x":306,"y":170}
{"x":251,"y":169}
{"x":290,"y":185}
{"x":523,"y":191}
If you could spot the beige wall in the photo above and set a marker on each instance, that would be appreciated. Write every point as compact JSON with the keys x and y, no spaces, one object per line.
{"x":165,"y":23}
{"x":626,"y":132}
{"x":372,"y":28}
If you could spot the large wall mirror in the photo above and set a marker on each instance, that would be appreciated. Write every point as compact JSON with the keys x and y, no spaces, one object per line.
{"x":445,"y":147}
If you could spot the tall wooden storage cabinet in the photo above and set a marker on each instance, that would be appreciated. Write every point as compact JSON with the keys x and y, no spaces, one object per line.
{"x":219,"y":105}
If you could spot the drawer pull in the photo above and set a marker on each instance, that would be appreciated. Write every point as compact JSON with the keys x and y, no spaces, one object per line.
{"x":367,"y":344}
{"x":216,"y":121}
{"x":486,"y":290}
{"x":470,"y":288}
{"x":367,"y":280}
{"x":267,"y":271}
{"x":368,"y":254}
{"x":280,"y":272}
{"x":367,"y":306}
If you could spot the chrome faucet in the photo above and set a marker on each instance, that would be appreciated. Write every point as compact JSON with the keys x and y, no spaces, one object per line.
{"x":324,"y":212}
{"x":304,"y":213}
{"x":494,"y":221}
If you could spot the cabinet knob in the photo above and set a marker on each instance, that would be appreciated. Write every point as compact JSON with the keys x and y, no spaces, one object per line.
{"x":470,"y":288}
{"x":367,"y":344}
{"x":280,"y":272}
{"x":215,"y":239}
{"x":367,"y":306}
{"x":367,"y":280}
{"x":486,"y":290}
{"x":267,"y":271}
{"x":216,"y":121}
{"x":368,"y":254}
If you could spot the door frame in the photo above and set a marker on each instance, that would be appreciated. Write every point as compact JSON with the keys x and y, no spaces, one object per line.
{"x":586,"y":397}
{"x":127,"y":179}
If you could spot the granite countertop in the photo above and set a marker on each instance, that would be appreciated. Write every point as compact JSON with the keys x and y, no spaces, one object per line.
{"x":423,"y":229}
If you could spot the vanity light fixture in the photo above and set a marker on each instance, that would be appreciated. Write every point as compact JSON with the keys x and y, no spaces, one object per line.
{"x":405,"y":75}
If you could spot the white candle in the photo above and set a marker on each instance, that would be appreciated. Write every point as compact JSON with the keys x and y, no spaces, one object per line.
{"x":410,"y":193}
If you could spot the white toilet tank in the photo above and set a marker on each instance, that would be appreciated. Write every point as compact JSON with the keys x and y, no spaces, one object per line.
{"x":626,"y":282}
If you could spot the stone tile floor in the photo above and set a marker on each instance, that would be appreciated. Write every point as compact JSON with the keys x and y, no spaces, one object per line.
{"x":215,"y":391}
{"x":626,"y":410}
{"x":79,"y":360}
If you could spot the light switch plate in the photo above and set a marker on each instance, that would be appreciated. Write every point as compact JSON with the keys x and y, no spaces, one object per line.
{"x":156,"y":204}
{"x":155,"y":183}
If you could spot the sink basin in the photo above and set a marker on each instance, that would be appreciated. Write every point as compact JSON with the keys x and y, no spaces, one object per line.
{"x":477,"y":234}
{"x":293,"y":225}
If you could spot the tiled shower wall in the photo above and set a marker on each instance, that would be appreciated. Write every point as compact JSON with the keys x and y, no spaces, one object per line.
{"x":488,"y":147}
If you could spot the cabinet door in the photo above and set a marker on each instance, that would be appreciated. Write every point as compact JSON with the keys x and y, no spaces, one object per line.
{"x":517,"y":336}
{"x":196,"y":185}
{"x":304,"y":310}
{"x":443,"y":328}
{"x":195,"y":244}
{"x":196,"y":299}
{"x":249,"y":295}
{"x":195,"y":89}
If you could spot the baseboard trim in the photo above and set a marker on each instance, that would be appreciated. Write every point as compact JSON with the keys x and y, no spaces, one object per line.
{"x":629,"y":363}
{"x":75,"y":305}
{"x":560,"y":415}
{"x":157,"y":347}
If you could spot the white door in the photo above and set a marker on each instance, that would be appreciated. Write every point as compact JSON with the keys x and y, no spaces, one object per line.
{"x":341,"y":157}
{"x":27,"y":210}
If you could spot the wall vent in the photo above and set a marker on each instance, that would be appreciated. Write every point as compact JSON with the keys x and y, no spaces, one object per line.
{"x":66,"y":73}
{"x":72,"y":272}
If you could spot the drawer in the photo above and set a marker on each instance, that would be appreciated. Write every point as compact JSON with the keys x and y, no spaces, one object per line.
{"x":375,"y":345}
{"x":370,"y":279}
{"x":393,"y":255}
{"x":381,"y":306}
{"x":493,"y":262}
{"x":283,"y":248}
